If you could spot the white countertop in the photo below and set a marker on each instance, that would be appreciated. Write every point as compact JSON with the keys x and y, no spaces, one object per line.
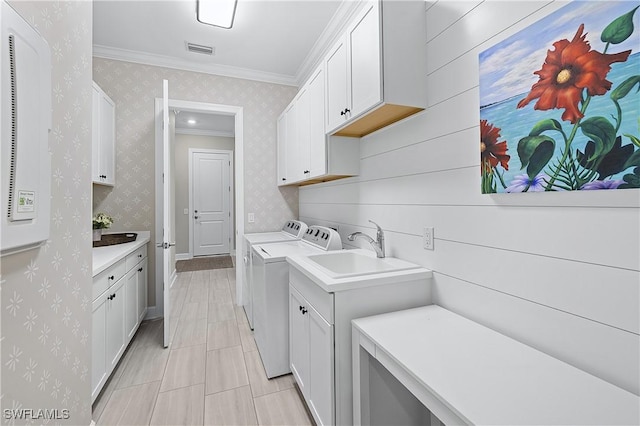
{"x":105,"y":256}
{"x":329,"y":284}
{"x":486,"y":378}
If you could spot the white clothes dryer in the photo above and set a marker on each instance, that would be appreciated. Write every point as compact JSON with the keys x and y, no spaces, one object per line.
{"x":270,"y":282}
{"x":292,"y":230}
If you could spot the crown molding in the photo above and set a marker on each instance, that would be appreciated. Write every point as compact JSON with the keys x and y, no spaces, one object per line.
{"x":336,"y":27}
{"x":181,"y":64}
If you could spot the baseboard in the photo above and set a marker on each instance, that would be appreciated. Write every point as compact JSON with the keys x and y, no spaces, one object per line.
{"x":174,"y":276}
{"x":183,"y":256}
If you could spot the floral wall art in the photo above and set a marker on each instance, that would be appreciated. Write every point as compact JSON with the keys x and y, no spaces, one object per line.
{"x":560,"y":103}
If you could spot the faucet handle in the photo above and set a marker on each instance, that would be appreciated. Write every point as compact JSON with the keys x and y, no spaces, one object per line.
{"x":380,"y":232}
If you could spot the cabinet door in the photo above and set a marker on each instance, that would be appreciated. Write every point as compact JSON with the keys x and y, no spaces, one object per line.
{"x":142,"y":289}
{"x":282,"y":149}
{"x":365,"y":53}
{"x":131,"y":303}
{"x":317,"y":137}
{"x":98,"y":346}
{"x":107,"y":140}
{"x":115,"y":341}
{"x":336,"y":67}
{"x":95,"y":134}
{"x":321,"y":357}
{"x":299,"y":340}
{"x":294,"y":174}
{"x":303,"y":116}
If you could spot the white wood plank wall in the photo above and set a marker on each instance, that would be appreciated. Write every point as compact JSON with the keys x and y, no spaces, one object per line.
{"x":559,"y":272}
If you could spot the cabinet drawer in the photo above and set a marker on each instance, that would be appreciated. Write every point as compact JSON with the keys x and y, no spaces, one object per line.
{"x":108,"y":277}
{"x":134,"y":258}
{"x":321,"y":301}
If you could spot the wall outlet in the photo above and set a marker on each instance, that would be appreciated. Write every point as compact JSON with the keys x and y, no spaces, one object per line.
{"x":427,"y":238}
{"x":252,"y":217}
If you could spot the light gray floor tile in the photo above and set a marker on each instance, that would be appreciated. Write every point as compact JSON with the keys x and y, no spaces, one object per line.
{"x":246,"y":337}
{"x":225,"y":370}
{"x":232,"y":407}
{"x":198,"y":291}
{"x":145,"y":365}
{"x":194,"y":310}
{"x":186,"y":367}
{"x":149,"y":334}
{"x":184,"y":406}
{"x":241,"y":316}
{"x":130,"y":406}
{"x":260,"y":385}
{"x":281,"y":408}
{"x":220,"y":295}
{"x":222,"y":335}
{"x":221,"y":312}
{"x":190,"y":333}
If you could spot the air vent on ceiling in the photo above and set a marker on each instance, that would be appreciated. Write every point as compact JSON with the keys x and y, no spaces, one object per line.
{"x":198,"y":48}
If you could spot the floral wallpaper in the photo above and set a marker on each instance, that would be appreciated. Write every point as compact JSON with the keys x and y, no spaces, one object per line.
{"x":46,"y":293}
{"x":134,"y":87}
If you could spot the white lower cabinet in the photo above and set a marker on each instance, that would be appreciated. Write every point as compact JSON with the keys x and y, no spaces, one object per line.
{"x":320,"y":337}
{"x":311,"y":356}
{"x":116,"y":313}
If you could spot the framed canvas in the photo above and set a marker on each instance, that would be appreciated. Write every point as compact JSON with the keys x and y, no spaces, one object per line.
{"x":560,"y":103}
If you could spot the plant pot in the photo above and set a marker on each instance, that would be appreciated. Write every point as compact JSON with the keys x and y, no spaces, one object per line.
{"x":97,"y":234}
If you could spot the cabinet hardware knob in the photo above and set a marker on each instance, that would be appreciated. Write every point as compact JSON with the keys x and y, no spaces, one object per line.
{"x":300,"y":308}
{"x":306,"y":171}
{"x":304,"y":311}
{"x":112,"y":277}
{"x":139,"y":269}
{"x":140,"y":255}
{"x":284,"y":178}
{"x":195,"y":217}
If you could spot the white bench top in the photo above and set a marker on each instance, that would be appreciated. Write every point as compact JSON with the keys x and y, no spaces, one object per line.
{"x":486,"y":378}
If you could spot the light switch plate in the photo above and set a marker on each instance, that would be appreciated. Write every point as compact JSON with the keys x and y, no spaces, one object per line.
{"x":252,"y":217}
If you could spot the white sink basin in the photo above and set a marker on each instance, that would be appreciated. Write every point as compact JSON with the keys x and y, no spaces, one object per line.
{"x":341,"y":264}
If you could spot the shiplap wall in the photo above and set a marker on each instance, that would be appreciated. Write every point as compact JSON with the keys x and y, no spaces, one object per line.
{"x":557,"y":271}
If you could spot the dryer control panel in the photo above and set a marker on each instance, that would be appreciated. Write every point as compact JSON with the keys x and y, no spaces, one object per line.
{"x":295,"y":228}
{"x":323,"y":237}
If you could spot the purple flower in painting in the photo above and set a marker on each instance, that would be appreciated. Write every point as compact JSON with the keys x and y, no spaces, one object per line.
{"x":522,"y":182}
{"x":603,"y":184}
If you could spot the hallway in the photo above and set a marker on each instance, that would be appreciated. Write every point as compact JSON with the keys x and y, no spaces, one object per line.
{"x":212,"y":374}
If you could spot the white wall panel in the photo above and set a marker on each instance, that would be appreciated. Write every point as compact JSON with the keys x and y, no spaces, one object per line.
{"x":605,"y":352}
{"x":557,"y":271}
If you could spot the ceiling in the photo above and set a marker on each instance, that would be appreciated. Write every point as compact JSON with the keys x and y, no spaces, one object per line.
{"x":278,"y":41}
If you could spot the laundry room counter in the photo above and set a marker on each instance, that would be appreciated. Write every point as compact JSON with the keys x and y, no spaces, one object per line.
{"x":104,"y":257}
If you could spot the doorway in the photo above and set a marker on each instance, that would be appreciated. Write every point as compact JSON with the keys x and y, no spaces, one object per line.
{"x":238,"y":180}
{"x":210,"y":184}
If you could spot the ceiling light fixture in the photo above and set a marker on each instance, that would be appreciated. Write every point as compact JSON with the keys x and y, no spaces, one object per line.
{"x":219,"y":13}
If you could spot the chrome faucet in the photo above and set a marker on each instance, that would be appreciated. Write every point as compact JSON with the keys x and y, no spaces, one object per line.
{"x":377,"y":244}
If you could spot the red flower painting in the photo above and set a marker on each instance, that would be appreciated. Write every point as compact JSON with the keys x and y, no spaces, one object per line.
{"x":568,"y":70}
{"x":492,"y":152}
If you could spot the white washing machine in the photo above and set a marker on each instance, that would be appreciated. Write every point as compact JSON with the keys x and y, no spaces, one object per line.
{"x":270,"y":282}
{"x":292,"y":230}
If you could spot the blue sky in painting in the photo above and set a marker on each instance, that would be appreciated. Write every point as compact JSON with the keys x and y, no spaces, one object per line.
{"x":506,"y":69}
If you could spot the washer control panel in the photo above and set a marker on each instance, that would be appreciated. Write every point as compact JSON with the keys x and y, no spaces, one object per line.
{"x":323,"y":237}
{"x":295,"y":228}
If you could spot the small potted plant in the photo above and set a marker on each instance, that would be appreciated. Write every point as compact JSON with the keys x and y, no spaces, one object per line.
{"x":100,"y":221}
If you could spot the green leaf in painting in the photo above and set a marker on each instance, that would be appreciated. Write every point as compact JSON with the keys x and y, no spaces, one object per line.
{"x":633,"y":160}
{"x":535,"y":152}
{"x":634,"y":140}
{"x":615,"y":161}
{"x":602,"y":132}
{"x":632,"y":180}
{"x":620,"y":29}
{"x":625,"y":87}
{"x":544,"y":125}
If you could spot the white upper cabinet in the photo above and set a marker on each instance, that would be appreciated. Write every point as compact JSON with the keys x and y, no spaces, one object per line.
{"x":306,"y":154}
{"x":376,"y":73}
{"x":103,"y":165}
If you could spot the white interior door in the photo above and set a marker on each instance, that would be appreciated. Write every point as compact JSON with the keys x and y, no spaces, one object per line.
{"x":211,"y":203}
{"x":167,"y":234}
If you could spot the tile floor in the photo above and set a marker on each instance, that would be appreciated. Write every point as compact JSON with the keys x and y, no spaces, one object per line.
{"x":211,"y":374}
